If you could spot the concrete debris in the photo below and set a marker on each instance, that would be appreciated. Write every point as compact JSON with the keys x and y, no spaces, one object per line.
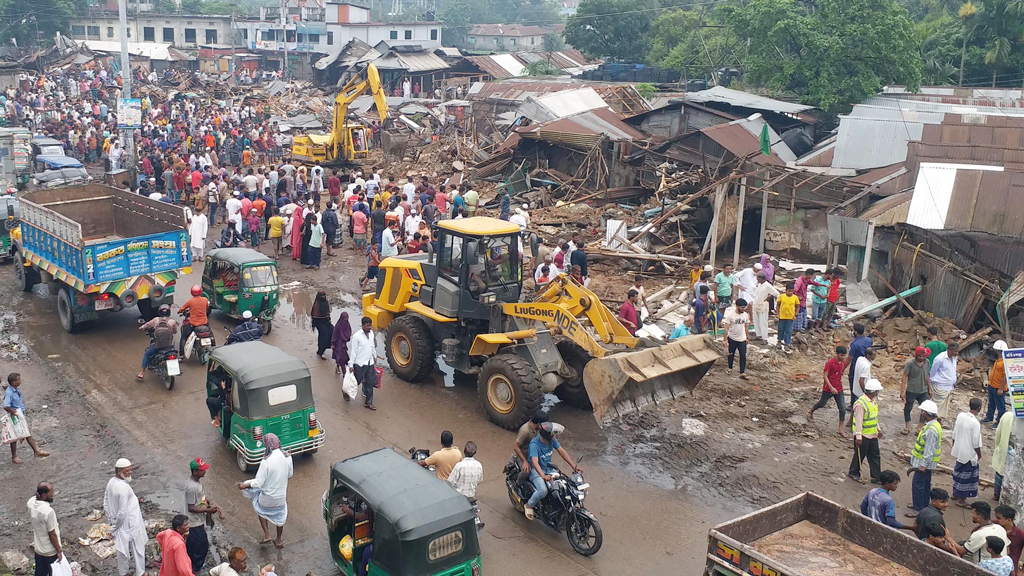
{"x":17,"y":562}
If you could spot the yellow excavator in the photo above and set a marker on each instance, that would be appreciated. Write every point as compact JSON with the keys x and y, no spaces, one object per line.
{"x":463,"y":302}
{"x":347,"y":142}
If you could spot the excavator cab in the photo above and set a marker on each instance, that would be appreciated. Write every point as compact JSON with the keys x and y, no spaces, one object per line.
{"x":462,"y":304}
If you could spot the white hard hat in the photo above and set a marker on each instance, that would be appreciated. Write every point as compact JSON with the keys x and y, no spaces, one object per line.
{"x":872,"y":385}
{"x":122,"y":463}
{"x":247,"y":315}
{"x":1000,"y":345}
{"x":929,"y":407}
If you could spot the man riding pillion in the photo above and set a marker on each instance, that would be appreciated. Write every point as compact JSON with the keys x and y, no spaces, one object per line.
{"x":247,"y":331}
{"x":541,"y":449}
{"x":164,"y":328}
{"x":197,"y":308}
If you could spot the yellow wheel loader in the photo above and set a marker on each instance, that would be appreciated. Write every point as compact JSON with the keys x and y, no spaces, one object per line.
{"x":463,"y":303}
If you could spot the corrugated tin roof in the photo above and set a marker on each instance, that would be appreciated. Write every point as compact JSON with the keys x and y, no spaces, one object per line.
{"x":584,"y":130}
{"x":738,"y":139}
{"x":820,"y":156}
{"x":936,"y":185}
{"x":512,"y":65}
{"x":151,"y":50}
{"x":953,"y":105}
{"x":866,"y":143}
{"x":731,"y":97}
{"x":879,"y":175}
{"x":889,"y":211}
{"x":561,"y":104}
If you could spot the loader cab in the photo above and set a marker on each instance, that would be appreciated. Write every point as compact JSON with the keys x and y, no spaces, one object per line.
{"x":478,"y":264}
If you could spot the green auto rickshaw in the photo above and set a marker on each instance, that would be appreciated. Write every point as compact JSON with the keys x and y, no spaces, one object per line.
{"x":384,"y":507}
{"x":11,"y":214}
{"x":258,"y":389}
{"x":240,"y":279}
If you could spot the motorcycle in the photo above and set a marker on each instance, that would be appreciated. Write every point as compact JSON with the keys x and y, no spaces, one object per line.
{"x":421,"y":454}
{"x":164,"y":363}
{"x":200,"y":343}
{"x":562,"y":509}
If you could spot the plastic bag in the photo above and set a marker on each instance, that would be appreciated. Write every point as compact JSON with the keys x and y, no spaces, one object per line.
{"x":62,"y":568}
{"x":379,"y":372}
{"x":349,"y":385}
{"x":13,"y":428}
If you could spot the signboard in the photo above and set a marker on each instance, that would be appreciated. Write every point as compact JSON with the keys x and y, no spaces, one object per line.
{"x":1013,"y":363}
{"x":129,"y":113}
{"x":145,"y":255}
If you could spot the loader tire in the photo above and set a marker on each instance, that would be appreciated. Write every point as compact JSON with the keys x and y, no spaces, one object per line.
{"x":410,"y":348}
{"x":509,"y":390}
{"x":572,"y":392}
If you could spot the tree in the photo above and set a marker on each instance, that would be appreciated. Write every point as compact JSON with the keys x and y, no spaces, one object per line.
{"x":693,"y":43}
{"x":23,"y":19}
{"x":832,"y":54}
{"x":455,"y":15}
{"x":542,"y":68}
{"x":615,"y":29}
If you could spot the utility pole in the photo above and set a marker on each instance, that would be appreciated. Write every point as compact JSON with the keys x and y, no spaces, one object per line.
{"x":128,"y":134}
{"x":284,"y":29}
{"x":231,"y":38}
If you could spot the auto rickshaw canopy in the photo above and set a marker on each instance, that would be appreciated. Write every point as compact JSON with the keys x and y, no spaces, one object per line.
{"x":256,"y":369}
{"x":412,"y":501}
{"x":240,"y":256}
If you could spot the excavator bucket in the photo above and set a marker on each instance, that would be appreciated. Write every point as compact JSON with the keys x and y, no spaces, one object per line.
{"x":625,"y":382}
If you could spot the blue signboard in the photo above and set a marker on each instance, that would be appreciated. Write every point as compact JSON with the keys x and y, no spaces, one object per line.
{"x":143,"y":255}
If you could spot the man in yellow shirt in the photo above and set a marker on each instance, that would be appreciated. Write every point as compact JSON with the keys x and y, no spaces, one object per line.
{"x":276,"y":224}
{"x":444,"y":459}
{"x":787,"y":306}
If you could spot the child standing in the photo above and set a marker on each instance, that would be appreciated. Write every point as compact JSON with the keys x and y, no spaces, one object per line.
{"x":833,"y":387}
{"x":788,"y":304}
{"x":372,"y":264}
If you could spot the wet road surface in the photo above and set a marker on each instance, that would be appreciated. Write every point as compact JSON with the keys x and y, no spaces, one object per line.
{"x":650,"y":526}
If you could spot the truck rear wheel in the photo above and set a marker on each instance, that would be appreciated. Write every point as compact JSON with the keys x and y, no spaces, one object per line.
{"x":573,"y":392}
{"x":26,"y":275}
{"x":509,"y":390}
{"x":65,"y":309}
{"x":409,"y":347}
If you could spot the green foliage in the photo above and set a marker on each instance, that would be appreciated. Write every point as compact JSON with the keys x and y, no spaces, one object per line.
{"x":646,"y":90}
{"x":693,"y":42}
{"x":22,"y":19}
{"x":542,"y":68}
{"x":614,"y":29}
{"x":832,"y":56}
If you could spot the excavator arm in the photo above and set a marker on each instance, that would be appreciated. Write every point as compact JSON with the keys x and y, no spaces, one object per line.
{"x":356,"y":87}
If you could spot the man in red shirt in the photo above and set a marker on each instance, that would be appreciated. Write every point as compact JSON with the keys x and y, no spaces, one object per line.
{"x":197,"y":181}
{"x":833,"y":387}
{"x":627,"y":312}
{"x":441,"y":201}
{"x":833,"y":297}
{"x":1004,"y":516}
{"x":334,"y":187}
{"x":172,"y":546}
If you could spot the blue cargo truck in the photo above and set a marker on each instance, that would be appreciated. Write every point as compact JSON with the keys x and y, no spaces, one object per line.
{"x":101,"y":250}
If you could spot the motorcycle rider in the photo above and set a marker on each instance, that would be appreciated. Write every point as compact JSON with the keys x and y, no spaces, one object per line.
{"x":230,"y":238}
{"x":247,"y":331}
{"x":196,"y":307}
{"x":527,"y":432}
{"x":164,"y":328}
{"x":541,"y":449}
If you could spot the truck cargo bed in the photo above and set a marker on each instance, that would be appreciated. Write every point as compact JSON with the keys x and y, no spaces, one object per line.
{"x":809,"y":535}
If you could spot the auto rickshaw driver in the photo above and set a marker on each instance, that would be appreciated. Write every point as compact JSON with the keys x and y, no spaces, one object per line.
{"x":216,"y":402}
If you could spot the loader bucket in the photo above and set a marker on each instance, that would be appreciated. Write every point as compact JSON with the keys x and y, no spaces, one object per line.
{"x":625,"y":382}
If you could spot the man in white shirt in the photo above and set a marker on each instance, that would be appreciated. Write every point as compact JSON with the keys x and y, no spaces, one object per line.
{"x":467,"y":474}
{"x":234,"y":204}
{"x":389,"y":244}
{"x":552,"y":269}
{"x":412,"y":225}
{"x":862,"y":372}
{"x":197,"y":231}
{"x":737,"y":321}
{"x":747,"y":279}
{"x":943,"y":377}
{"x":975,"y":549}
{"x":762,"y":293}
{"x":121,"y":506}
{"x":237,"y":564}
{"x":45,"y":531}
{"x":966,"y":451}
{"x":364,"y":359}
{"x":409,"y":190}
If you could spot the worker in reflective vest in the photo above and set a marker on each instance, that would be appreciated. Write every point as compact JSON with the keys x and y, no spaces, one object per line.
{"x":866,"y":433}
{"x":924,"y":458}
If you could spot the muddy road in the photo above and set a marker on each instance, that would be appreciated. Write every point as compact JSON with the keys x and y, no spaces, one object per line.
{"x":659,"y":480}
{"x":653,"y":522}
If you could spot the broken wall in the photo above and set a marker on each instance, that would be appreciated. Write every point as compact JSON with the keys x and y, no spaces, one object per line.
{"x":802,"y":229}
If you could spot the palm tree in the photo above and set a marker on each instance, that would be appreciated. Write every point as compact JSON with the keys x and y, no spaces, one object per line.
{"x":966,"y":14}
{"x":997,"y":55}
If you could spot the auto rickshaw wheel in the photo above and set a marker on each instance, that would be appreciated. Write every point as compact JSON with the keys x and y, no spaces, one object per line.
{"x":240,"y":460}
{"x":509,"y":390}
{"x":409,"y":347}
{"x":572,"y":392}
{"x":266,"y":325}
